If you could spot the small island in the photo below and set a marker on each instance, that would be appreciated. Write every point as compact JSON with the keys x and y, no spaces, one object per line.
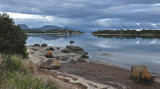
{"x":129,"y":33}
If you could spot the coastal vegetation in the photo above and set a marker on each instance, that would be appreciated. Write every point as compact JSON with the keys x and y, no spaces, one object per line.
{"x":16,"y":74}
{"x":12,"y":37}
{"x":58,"y":31}
{"x":127,"y":32}
{"x":14,"y":71}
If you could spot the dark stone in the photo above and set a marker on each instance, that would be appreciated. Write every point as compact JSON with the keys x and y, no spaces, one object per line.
{"x":84,"y":56}
{"x":58,"y":48}
{"x":65,"y":50}
{"x":43,"y":45}
{"x":74,"y":48}
{"x":36,"y":45}
{"x":71,"y":42}
{"x":34,"y":49}
{"x":51,"y":49}
{"x":81,"y":60}
{"x":72,"y":61}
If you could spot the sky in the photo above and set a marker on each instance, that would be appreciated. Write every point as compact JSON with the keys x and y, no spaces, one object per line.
{"x":85,"y":15}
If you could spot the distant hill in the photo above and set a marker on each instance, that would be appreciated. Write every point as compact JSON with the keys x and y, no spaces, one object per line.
{"x":44,"y":28}
{"x":23,"y":26}
{"x":49,"y":27}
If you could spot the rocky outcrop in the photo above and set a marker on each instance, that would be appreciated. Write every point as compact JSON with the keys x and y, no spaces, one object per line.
{"x":65,"y":50}
{"x":50,"y":49}
{"x":44,"y":45}
{"x":51,"y":64}
{"x":73,"y":49}
{"x":36,"y":45}
{"x":84,"y":56}
{"x":49,"y":54}
{"x":141,"y":74}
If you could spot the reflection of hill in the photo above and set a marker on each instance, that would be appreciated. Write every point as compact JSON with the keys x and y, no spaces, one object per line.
{"x":128,"y":36}
{"x":50,"y":36}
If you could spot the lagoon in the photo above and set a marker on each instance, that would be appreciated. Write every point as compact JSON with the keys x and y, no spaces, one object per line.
{"x":120,"y":51}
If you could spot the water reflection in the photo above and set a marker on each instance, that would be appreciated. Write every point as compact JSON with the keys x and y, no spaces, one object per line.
{"x":127,"y":36}
{"x":125,"y":51}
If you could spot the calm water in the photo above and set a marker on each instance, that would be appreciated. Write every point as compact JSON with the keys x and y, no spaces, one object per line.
{"x":124,"y":52}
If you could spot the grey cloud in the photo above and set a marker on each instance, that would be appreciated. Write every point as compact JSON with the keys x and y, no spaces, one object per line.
{"x":84,"y":14}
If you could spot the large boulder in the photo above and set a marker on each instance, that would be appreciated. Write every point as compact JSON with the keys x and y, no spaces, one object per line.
{"x":50,"y":48}
{"x":141,"y":74}
{"x":74,"y":48}
{"x":36,"y":45}
{"x":49,"y":54}
{"x":44,"y":45}
{"x":65,"y":50}
{"x":51,"y":64}
{"x":84,"y":56}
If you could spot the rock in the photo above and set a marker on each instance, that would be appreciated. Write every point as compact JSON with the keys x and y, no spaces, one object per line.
{"x":71,"y":42}
{"x":50,"y":64}
{"x":51,"y":49}
{"x":34,"y":49}
{"x":81,"y":53}
{"x":84,"y":56}
{"x":44,"y":45}
{"x":65,"y":50}
{"x":141,"y":74}
{"x":65,"y":59}
{"x":74,"y":48}
{"x":81,"y":60}
{"x":49,"y":54}
{"x":58,"y":48}
{"x":36,"y":45}
{"x":72,"y":61}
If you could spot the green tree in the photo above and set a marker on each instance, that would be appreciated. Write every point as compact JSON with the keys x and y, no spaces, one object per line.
{"x":12,"y":37}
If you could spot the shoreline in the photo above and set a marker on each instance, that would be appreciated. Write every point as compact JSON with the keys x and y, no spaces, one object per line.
{"x":126,"y":34}
{"x":95,"y":71}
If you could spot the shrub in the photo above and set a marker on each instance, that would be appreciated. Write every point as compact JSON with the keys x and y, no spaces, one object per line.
{"x":12,"y":37}
{"x":14,"y":63}
{"x":14,"y":74}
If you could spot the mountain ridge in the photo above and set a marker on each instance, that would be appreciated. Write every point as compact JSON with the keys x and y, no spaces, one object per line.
{"x":45,"y":27}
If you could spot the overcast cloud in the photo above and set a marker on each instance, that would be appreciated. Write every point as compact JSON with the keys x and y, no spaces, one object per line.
{"x":85,"y":15}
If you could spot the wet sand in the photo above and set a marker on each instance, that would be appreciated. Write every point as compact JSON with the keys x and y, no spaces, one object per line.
{"x":105,"y":74}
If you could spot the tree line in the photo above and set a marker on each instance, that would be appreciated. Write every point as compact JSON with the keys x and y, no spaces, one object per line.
{"x":128,"y":31}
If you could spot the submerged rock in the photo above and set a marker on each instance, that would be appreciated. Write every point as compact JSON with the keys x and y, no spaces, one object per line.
{"x":71,"y":42}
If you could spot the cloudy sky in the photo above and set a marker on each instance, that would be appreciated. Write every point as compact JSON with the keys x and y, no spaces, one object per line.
{"x":86,"y":15}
